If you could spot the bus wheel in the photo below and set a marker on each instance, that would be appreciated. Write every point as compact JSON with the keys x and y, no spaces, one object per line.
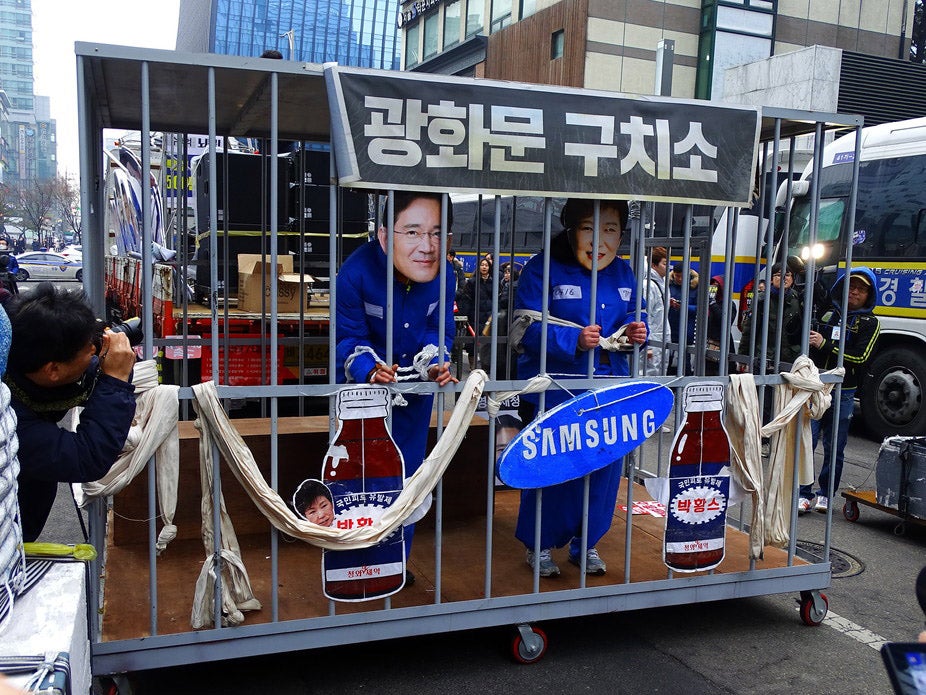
{"x":892,"y":398}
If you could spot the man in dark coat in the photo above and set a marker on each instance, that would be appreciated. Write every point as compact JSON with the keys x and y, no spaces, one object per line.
{"x":60,"y":359}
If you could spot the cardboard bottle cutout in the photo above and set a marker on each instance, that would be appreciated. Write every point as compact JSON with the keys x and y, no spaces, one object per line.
{"x":699,"y":483}
{"x":365,"y":473}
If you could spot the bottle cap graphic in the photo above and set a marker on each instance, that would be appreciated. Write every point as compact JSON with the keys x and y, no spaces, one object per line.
{"x":363,"y":402}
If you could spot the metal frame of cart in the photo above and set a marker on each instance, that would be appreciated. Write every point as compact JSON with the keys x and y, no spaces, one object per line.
{"x":169,"y":92}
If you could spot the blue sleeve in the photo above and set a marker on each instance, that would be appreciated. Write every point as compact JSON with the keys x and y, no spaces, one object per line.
{"x":47,"y":452}
{"x":562,"y":341}
{"x":352,"y":329}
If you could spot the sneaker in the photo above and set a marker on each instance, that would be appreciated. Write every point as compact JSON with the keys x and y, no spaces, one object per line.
{"x":823,"y":503}
{"x":803,"y":505}
{"x":593,"y":562}
{"x":548,"y":568}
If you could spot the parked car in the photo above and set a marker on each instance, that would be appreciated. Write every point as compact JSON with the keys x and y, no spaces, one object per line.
{"x":75,"y":253}
{"x":45,"y":265}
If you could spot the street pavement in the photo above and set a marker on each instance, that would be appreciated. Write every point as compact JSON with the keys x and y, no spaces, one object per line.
{"x":743,"y":646}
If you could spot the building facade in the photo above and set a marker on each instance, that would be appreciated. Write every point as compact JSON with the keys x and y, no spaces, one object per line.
{"x":28,"y":150}
{"x":363,"y":33}
{"x":612,"y":44}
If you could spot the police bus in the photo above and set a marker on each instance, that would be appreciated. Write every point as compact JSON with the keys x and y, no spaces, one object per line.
{"x":889,"y":236}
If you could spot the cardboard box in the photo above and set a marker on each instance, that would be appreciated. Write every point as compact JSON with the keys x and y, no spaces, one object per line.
{"x":253,"y":269}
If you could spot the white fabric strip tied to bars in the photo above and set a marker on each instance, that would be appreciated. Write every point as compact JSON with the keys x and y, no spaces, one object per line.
{"x":418,"y":487}
{"x":153,"y":433}
{"x":216,"y":428}
{"x":523,"y":318}
{"x":743,"y":421}
{"x":237,"y":595}
{"x":802,"y":390}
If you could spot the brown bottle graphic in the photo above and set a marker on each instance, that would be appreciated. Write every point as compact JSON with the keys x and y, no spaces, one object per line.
{"x":365,"y":472}
{"x":699,"y":483}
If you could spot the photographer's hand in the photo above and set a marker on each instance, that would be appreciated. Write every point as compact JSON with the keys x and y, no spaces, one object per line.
{"x":117,"y":358}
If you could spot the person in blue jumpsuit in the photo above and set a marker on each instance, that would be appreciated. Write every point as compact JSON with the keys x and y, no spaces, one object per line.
{"x":362,"y":317}
{"x":567,"y":350}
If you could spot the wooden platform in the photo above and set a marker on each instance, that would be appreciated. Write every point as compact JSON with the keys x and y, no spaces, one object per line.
{"x":126,"y":606}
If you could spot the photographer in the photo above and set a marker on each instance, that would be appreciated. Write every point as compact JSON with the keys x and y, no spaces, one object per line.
{"x":59,"y":360}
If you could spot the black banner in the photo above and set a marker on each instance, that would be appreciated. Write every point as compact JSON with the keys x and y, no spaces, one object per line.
{"x":432,"y":132}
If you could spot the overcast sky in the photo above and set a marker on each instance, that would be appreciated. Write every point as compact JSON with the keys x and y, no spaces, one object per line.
{"x":57,"y":24}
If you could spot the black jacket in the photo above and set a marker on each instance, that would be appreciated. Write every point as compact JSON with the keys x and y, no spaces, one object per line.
{"x":49,"y":454}
{"x":862,"y":329}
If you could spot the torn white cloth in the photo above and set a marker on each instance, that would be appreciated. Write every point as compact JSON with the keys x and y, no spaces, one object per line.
{"x":217,"y":430}
{"x":417,"y":488}
{"x":743,"y":421}
{"x":237,"y":595}
{"x":523,"y":318}
{"x":802,"y":391}
{"x":153,"y":433}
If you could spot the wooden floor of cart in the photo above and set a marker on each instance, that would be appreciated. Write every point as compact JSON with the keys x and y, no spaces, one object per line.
{"x":463,"y":564}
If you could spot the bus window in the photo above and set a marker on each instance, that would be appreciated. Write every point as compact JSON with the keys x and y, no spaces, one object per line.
{"x":829,"y":226}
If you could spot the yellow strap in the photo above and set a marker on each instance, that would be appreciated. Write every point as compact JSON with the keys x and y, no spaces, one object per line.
{"x":81,"y":551}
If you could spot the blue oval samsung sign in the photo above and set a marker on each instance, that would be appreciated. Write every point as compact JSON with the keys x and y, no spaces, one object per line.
{"x":584,"y":434}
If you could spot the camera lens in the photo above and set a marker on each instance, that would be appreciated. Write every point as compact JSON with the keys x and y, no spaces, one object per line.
{"x":132,"y":329}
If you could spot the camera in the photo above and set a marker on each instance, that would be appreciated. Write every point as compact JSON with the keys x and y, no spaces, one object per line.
{"x":131,"y":327}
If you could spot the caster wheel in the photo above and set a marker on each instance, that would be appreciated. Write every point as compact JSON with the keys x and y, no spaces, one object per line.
{"x":529,"y":645}
{"x":810,"y":613}
{"x":851,"y":511}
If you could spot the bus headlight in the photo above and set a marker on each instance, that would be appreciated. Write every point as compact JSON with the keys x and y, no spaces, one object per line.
{"x":816,"y":252}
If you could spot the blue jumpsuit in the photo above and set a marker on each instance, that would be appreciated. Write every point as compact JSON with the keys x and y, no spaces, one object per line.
{"x":361,"y":320}
{"x":570,"y":287}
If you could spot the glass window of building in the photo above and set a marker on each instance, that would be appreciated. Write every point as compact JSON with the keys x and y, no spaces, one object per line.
{"x":501,"y":14}
{"x":475,"y":17}
{"x":557,"y":44}
{"x":351,"y":32}
{"x":431,"y":34}
{"x":452,"y":23}
{"x":412,"y":52}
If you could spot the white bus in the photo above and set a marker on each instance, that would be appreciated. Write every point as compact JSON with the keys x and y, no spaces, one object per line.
{"x":889,"y":236}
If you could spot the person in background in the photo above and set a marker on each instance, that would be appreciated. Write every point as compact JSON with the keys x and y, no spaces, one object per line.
{"x":656,"y":317}
{"x":785,"y":337}
{"x":478,"y":296}
{"x":682,"y":336}
{"x":715,"y":307}
{"x":9,"y":268}
{"x":457,"y":269}
{"x":59,"y":360}
{"x":476,"y":303}
{"x":862,"y":329}
{"x":567,"y":355}
{"x":362,"y":320}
